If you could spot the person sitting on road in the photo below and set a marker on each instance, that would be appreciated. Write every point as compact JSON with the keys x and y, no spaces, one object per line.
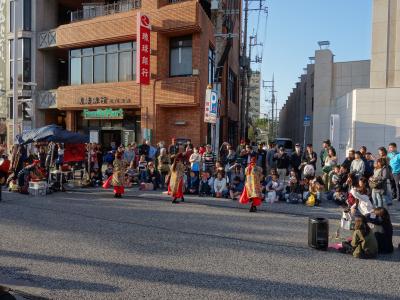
{"x":236,"y":188}
{"x":220,"y":185}
{"x":142,"y":168}
{"x":363,"y":242}
{"x":152,"y":175}
{"x":274,"y":189}
{"x":204,"y":186}
{"x":383,"y":230}
{"x":193,"y":184}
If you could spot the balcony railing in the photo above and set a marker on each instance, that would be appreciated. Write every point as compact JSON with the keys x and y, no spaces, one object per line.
{"x":47,"y":39}
{"x":91,"y":11}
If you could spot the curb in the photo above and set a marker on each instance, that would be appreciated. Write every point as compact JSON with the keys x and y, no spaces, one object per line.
{"x":20,"y":294}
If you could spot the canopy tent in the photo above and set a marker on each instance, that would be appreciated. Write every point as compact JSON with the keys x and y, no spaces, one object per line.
{"x":51,"y":133}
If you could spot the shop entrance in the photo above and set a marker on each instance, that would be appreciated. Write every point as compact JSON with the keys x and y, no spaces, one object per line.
{"x":109,"y":136}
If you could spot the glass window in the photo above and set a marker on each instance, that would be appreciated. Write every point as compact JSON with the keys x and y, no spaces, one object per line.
{"x":125,"y":66}
{"x":75,"y":53}
{"x":87,"y":69}
{"x":99,"y":73}
{"x":112,"y":48}
{"x":232,"y":86}
{"x":87,"y":51}
{"x":125,"y":46}
{"x":27,"y":15}
{"x":112,"y":67}
{"x":10,"y":108}
{"x":75,"y":71}
{"x":181,"y":56}
{"x":99,"y":50}
{"x":26,"y":61}
{"x":11,"y":16}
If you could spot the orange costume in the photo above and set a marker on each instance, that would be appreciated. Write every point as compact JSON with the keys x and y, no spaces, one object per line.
{"x":175,"y":187}
{"x":252,"y":191}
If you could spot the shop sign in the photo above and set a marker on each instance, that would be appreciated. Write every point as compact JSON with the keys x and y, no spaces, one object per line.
{"x":211,"y":107}
{"x":103,"y":114}
{"x":103,"y":100}
{"x":143,"y":49}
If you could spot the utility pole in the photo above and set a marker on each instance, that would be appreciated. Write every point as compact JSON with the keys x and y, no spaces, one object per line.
{"x":271,"y":84}
{"x":15,"y":72}
{"x":246,"y":64}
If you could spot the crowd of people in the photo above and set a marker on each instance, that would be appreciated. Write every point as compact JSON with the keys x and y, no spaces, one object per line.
{"x":363,"y":184}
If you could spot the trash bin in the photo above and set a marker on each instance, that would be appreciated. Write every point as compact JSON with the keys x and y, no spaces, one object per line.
{"x":318,"y":233}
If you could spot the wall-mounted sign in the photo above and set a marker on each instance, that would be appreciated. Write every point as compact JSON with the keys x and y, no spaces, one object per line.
{"x":211,"y":107}
{"x":103,"y":100}
{"x":94,"y":136}
{"x":143,"y":49}
{"x":107,"y":113}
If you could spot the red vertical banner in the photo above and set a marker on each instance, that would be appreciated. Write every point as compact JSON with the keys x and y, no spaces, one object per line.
{"x":143,"y":49}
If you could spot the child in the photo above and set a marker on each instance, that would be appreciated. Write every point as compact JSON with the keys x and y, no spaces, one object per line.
{"x":274,"y":189}
{"x":142,"y":168}
{"x":364,"y":242}
{"x":334,"y":178}
{"x":152,"y":175}
{"x":236,"y":188}
{"x":220,"y":185}
{"x":193,"y":183}
{"x":204,"y":187}
{"x":109,"y":171}
{"x":293,"y":191}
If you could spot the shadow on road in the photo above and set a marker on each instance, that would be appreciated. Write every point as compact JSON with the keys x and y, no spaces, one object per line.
{"x":266,"y":288}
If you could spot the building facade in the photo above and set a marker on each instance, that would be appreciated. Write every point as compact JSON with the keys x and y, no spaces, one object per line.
{"x":315,"y":96}
{"x":254,"y":86}
{"x":83,"y":62}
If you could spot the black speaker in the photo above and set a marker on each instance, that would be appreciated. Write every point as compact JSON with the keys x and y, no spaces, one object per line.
{"x":318,"y":233}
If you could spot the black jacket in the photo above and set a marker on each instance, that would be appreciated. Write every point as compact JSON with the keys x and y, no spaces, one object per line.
{"x":282,"y":160}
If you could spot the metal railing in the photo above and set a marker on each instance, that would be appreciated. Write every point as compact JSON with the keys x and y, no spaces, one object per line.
{"x":91,"y":11}
{"x":47,"y":39}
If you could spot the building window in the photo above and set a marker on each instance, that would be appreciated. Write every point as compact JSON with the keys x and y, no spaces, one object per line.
{"x":180,"y":60}
{"x":232,"y":86}
{"x":211,"y":66}
{"x":10,"y":108}
{"x":23,"y":61}
{"x":111,"y":63}
{"x":23,"y":15}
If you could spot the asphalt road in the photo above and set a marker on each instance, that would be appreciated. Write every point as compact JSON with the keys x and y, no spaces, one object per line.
{"x":86,"y":245}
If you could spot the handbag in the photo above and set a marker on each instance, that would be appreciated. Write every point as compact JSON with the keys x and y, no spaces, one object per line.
{"x":311,"y":200}
{"x":346,"y":222}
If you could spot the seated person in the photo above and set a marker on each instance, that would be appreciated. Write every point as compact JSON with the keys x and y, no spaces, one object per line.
{"x":220,"y":185}
{"x":152,"y":175}
{"x":193,"y":183}
{"x":236,"y":188}
{"x":275,"y":185}
{"x":204,"y":186}
{"x":95,"y":178}
{"x":383,"y":230}
{"x":364,"y":242}
{"x":109,"y":171}
{"x":334,"y":178}
{"x":316,"y":188}
{"x":294,"y":185}
{"x":236,"y":170}
{"x":127,"y":181}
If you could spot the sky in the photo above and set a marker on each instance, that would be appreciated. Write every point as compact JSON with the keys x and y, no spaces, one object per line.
{"x":292,"y":29}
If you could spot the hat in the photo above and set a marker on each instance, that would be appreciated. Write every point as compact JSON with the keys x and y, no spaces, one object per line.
{"x":297,"y":145}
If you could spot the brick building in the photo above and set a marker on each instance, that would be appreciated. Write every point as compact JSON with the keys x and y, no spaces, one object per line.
{"x":83,"y":60}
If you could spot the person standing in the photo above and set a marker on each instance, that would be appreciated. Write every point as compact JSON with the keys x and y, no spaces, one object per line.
{"x":282,"y":163}
{"x":377,"y":182}
{"x":270,"y":158}
{"x":118,"y":175}
{"x":252,"y":191}
{"x":310,"y":157}
{"x":324,"y":152}
{"x":195,"y":162}
{"x":175,"y":187}
{"x":163,"y":166}
{"x":262,"y":158}
{"x":295,"y":160}
{"x":395,"y":167}
{"x":209,"y":160}
{"x":173,"y":148}
{"x":144,"y":149}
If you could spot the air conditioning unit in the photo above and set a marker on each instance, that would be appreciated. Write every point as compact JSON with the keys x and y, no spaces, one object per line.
{"x":215,"y":4}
